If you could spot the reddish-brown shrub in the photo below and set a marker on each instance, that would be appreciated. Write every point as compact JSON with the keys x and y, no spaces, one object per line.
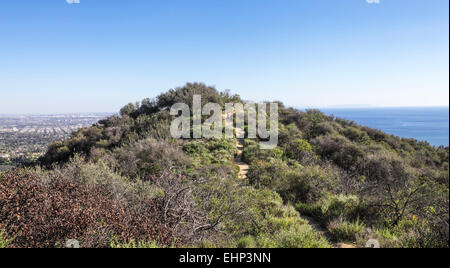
{"x":45,"y":213}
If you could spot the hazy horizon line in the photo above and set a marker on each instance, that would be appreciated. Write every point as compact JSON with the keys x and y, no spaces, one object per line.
{"x":372,"y":107}
{"x":349,"y":107}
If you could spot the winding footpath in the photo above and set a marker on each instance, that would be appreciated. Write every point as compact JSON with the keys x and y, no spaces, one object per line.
{"x":243,"y":167}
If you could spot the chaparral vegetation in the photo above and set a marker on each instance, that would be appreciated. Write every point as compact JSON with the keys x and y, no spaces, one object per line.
{"x":125,"y":182}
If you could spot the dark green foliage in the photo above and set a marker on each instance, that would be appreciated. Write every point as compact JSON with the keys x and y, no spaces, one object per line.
{"x":300,"y":150}
{"x":185,"y":95}
{"x":294,"y":184}
{"x":344,"y":153}
{"x":149,"y":157}
{"x":343,"y":231}
{"x":359,"y":182}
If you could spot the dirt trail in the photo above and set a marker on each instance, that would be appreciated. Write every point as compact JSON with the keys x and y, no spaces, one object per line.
{"x":243,"y":167}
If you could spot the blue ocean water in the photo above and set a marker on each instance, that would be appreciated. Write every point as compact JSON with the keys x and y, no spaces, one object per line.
{"x":424,"y":124}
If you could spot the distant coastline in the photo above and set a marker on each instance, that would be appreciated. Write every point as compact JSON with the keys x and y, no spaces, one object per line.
{"x":430,"y":124}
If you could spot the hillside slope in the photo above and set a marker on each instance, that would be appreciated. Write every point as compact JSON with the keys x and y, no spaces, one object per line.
{"x":358,"y":183}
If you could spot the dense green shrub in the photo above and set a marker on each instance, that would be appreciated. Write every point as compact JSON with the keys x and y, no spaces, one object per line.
{"x":300,"y":150}
{"x":279,"y":226}
{"x":265,"y":174}
{"x":186,"y":93}
{"x":4,"y":241}
{"x":307,"y":184}
{"x":253,"y":152}
{"x":356,"y":135}
{"x":333,"y":207}
{"x":195,"y":148}
{"x":343,"y":231}
{"x":340,"y":150}
{"x":299,"y":236}
{"x":103,"y":176}
{"x":149,"y":157}
{"x":246,"y":242}
{"x":133,"y":244}
{"x":294,"y":184}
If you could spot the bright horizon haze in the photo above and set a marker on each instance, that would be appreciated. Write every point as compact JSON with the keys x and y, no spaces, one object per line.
{"x":98,"y":55}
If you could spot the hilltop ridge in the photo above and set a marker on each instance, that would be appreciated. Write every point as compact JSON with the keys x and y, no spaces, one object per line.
{"x":355,"y":182}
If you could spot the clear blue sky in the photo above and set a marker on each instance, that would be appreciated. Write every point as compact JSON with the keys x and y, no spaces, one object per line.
{"x":98,"y":55}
